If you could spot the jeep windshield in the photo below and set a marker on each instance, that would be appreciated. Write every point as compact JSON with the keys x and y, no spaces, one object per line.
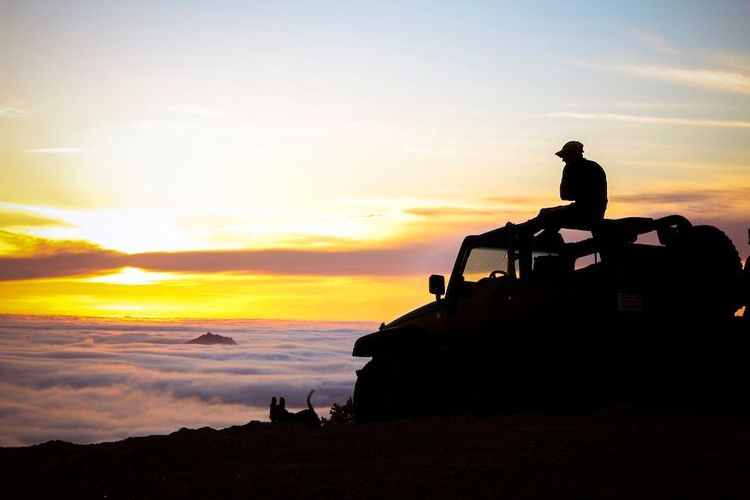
{"x":492,"y":262}
{"x":485,"y":262}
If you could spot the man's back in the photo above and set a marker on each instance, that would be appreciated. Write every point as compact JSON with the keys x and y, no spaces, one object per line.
{"x":584,"y":182}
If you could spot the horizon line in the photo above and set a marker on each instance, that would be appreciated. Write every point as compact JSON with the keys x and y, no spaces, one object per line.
{"x":175,"y":318}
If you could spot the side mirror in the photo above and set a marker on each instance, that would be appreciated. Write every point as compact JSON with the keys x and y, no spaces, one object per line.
{"x":437,"y":285}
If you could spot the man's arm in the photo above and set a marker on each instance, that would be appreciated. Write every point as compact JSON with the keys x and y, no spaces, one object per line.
{"x":566,"y":186}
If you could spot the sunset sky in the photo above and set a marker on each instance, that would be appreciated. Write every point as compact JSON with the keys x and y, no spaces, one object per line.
{"x":318,"y":160}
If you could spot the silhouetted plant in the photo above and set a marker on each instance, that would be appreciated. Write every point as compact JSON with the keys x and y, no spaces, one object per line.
{"x":340,"y":414}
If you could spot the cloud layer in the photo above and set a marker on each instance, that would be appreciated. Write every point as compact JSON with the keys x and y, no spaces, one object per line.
{"x":44,"y":258}
{"x":88,"y":380}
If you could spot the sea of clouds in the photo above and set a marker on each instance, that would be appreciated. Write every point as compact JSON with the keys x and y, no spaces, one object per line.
{"x":89,"y":380}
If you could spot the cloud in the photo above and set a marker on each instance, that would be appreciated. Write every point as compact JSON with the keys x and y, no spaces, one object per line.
{"x":450,"y":211}
{"x":56,"y":151}
{"x":387,"y":261}
{"x":729,"y":81}
{"x":88,"y":380}
{"x":516,"y":200}
{"x":21,"y":219}
{"x":26,"y":245}
{"x":11,"y":113}
{"x":59,"y":264}
{"x":640,"y":104}
{"x":204,"y":112}
{"x":652,"y":120}
{"x":709,"y":196}
{"x":43,"y":258}
{"x":655,"y":42}
{"x":491,"y":210}
{"x":737,"y":61}
{"x":666,"y":198}
{"x":441,"y":151}
{"x":33,"y":257}
{"x":732,"y":81}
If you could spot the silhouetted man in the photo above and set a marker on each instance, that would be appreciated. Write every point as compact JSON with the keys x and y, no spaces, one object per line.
{"x":746,"y":275}
{"x":585,"y":184}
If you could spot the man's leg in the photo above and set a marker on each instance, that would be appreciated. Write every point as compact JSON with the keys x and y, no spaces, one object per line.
{"x":550,"y":219}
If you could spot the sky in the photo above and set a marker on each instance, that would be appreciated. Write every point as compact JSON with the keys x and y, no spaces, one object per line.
{"x":318,"y":160}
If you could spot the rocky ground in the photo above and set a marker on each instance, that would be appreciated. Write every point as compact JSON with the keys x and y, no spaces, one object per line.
{"x":617,"y":453}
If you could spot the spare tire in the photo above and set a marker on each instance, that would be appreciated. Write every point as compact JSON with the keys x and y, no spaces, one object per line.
{"x":706,"y":273}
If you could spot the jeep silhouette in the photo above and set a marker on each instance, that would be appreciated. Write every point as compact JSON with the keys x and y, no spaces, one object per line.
{"x":642,"y":310}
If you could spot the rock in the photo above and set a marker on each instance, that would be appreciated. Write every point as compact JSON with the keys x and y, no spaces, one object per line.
{"x":211,"y":338}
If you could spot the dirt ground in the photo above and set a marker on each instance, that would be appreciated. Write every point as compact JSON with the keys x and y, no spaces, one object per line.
{"x":617,"y":453}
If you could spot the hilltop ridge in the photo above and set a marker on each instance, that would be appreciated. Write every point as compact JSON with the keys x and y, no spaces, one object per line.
{"x":620,"y":453}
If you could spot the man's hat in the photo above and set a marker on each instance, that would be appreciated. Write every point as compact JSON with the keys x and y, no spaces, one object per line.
{"x":570,"y":147}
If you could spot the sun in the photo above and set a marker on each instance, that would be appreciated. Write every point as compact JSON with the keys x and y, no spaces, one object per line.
{"x":132,"y":276}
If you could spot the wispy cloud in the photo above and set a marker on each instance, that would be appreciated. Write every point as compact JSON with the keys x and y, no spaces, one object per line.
{"x":655,"y":41}
{"x":534,"y":201}
{"x":11,"y":113}
{"x":732,"y":81}
{"x":727,"y":59}
{"x":638,"y":104}
{"x":488,"y":208}
{"x":204,"y":112}
{"x":687,"y":166}
{"x":56,"y":151}
{"x":654,"y":120}
{"x":713,"y":197}
{"x":725,"y":208}
{"x":443,"y":152}
{"x":729,"y":81}
{"x":450,"y":211}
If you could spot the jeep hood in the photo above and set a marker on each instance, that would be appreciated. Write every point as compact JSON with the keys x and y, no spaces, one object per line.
{"x":397,"y":336}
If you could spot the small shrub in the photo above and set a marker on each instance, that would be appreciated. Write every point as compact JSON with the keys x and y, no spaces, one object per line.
{"x":340,"y":414}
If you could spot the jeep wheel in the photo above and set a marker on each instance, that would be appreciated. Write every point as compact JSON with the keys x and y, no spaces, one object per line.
{"x":377,"y":396}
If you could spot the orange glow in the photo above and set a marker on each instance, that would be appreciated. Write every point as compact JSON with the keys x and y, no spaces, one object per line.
{"x":220,"y":296}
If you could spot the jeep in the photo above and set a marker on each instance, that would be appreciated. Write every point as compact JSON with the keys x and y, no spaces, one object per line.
{"x":641,"y":309}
